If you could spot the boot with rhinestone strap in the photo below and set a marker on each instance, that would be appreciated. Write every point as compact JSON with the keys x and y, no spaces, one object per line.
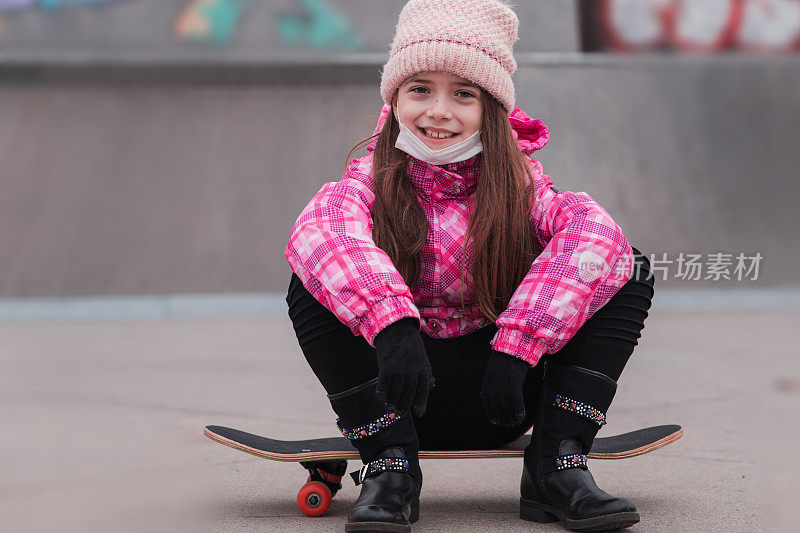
{"x":556,"y":483}
{"x":391,"y":478}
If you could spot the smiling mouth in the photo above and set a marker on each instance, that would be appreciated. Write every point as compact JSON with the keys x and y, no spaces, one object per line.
{"x":437,"y":135}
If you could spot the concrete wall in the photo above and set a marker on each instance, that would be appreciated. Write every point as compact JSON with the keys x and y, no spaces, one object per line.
{"x":155,"y":188}
{"x":144,"y":28}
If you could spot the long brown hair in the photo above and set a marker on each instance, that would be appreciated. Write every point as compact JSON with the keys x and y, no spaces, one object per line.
{"x":504,"y":243}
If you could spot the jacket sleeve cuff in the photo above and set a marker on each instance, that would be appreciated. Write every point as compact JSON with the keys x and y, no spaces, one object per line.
{"x":515,"y":342}
{"x":385,"y":312}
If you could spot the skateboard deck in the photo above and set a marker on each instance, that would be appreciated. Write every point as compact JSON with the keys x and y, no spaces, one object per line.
{"x":620,"y":446}
{"x":326,"y":458}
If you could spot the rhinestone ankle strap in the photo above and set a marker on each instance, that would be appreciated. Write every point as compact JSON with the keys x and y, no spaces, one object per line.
{"x":579,"y":408}
{"x":574,"y":460}
{"x":367,"y":430}
{"x":394,"y":464}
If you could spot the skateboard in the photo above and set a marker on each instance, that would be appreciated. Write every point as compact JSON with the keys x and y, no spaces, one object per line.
{"x":326,"y":459}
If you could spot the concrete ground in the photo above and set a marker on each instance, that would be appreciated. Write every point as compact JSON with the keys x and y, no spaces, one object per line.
{"x":102,"y":430}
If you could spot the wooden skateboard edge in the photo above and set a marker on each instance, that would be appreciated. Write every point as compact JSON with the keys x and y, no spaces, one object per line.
{"x":669,"y":439}
{"x":442,"y":454}
{"x":288,"y":458}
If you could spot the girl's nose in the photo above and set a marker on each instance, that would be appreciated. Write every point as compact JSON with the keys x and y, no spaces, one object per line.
{"x":440,"y":110}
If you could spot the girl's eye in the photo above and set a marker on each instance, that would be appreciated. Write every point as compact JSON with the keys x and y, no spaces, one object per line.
{"x":423,"y":90}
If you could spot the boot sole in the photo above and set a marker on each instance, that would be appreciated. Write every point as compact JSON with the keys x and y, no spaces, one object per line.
{"x":383,"y":527}
{"x":377,"y":527}
{"x":543,"y":514}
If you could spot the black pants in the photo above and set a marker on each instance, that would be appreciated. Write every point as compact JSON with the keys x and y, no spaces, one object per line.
{"x":455,"y":418}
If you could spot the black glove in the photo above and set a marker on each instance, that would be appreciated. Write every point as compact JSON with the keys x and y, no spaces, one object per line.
{"x":404,"y":373}
{"x":502,"y":389}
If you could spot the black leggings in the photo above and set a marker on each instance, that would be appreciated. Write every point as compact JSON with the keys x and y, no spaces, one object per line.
{"x":455,"y":418}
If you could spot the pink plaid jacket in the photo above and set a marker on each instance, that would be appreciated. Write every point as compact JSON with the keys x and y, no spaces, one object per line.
{"x":586,"y":258}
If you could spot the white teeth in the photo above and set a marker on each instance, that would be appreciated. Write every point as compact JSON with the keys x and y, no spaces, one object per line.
{"x":436,"y":135}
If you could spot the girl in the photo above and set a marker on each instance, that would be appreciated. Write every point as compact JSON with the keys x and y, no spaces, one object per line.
{"x":446,"y":257}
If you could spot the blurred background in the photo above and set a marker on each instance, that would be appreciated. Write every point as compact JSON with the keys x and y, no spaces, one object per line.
{"x":155,"y":153}
{"x":166,"y":147}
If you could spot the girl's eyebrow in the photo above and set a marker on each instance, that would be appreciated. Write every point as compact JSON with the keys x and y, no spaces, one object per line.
{"x":424,"y":80}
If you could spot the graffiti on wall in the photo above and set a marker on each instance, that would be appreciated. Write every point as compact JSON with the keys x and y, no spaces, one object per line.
{"x":209,"y":20}
{"x":318,"y":26}
{"x":312,"y":24}
{"x":701,"y":25}
{"x":296,"y":24}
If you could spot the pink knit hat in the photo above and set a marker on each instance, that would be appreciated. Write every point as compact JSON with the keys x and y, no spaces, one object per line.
{"x":473,"y":39}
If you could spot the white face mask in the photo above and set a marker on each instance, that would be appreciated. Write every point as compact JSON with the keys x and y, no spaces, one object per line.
{"x":413,"y":146}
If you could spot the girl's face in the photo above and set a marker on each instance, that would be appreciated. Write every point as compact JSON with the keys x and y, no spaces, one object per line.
{"x":440,"y":108}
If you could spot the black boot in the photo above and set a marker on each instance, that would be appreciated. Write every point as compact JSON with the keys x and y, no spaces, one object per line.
{"x":391,"y":478}
{"x":556,"y":483}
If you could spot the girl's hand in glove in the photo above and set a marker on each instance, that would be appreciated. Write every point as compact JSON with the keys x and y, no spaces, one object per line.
{"x":404,"y":373}
{"x":502,"y":389}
